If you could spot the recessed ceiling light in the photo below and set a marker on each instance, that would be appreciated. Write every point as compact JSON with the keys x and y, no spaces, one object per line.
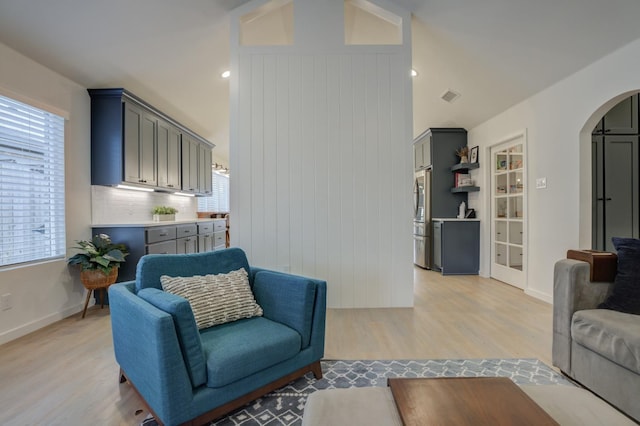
{"x":226,"y":74}
{"x":414,"y":73}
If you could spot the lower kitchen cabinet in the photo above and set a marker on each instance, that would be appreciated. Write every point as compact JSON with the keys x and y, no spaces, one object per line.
{"x":456,"y":246}
{"x":193,"y":237}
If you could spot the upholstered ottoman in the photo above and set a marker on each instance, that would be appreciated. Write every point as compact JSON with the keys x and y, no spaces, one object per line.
{"x":568,"y":405}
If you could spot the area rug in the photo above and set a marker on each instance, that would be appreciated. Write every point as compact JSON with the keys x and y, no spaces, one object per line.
{"x":285,"y":406}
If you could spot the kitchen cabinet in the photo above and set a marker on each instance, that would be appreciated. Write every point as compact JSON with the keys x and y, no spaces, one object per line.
{"x":132,"y":142}
{"x":456,"y":246}
{"x":441,"y":145}
{"x":186,"y":239}
{"x":169,"y":156}
{"x":140,"y":145}
{"x":622,"y":119}
{"x":422,"y":152}
{"x":615,"y":189}
{"x":169,"y":238}
{"x":196,"y":167}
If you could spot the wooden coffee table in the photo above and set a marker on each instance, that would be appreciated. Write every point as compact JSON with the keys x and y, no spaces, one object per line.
{"x":465,"y":401}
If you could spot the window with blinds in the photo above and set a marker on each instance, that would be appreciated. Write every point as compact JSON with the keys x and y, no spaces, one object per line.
{"x":219,"y":200}
{"x":32,"y":225}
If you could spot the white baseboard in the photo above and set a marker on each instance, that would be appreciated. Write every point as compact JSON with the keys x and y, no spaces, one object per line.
{"x":32,"y":326}
{"x":540,"y":295}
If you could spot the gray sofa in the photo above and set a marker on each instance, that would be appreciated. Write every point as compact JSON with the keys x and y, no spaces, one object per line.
{"x":599,"y":348}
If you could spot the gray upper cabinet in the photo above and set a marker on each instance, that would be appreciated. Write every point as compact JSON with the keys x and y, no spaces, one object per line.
{"x":622,"y":119}
{"x":205,"y":161}
{"x":189,"y":164}
{"x":169,"y":156}
{"x":139,"y":145}
{"x":422,"y":151}
{"x":196,"y":166}
{"x":132,"y":142}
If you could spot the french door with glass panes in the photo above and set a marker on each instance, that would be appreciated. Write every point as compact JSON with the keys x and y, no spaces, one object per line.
{"x":508,"y":215}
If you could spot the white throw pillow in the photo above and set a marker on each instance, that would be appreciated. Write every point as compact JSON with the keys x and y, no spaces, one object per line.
{"x":215,"y":299}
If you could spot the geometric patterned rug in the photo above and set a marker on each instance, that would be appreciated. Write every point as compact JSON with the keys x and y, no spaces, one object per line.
{"x":284,"y":407}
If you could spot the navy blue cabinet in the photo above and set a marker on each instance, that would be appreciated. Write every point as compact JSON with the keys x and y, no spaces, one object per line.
{"x":456,"y":246}
{"x":134,"y":143}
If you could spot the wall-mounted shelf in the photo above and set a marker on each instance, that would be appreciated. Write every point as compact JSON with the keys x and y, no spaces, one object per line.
{"x":464,"y":166}
{"x":465,"y":189}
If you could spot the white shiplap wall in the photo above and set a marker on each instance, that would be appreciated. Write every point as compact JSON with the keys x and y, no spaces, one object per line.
{"x":321,"y":167}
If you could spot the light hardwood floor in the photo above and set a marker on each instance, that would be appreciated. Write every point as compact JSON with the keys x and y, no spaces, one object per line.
{"x":65,"y":374}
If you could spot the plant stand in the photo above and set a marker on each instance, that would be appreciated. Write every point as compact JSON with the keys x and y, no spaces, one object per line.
{"x":95,"y":280}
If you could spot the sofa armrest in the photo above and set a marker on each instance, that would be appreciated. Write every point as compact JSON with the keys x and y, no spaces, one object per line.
{"x":572,"y":291}
{"x":147,"y":350}
{"x":296,"y":301}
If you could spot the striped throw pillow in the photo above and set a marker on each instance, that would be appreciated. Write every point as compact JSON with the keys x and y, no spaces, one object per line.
{"x":215,"y":299}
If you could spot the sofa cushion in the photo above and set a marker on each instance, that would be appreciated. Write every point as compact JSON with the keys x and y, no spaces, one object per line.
{"x":287,"y":299}
{"x":625,"y":295}
{"x":152,"y":266}
{"x":238,"y":349}
{"x":215,"y":299}
{"x":613,"y":335}
{"x":185,"y":324}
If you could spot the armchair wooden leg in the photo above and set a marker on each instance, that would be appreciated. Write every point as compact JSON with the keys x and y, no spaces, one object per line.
{"x":316,"y":369}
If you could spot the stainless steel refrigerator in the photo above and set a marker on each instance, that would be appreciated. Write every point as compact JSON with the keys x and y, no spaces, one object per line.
{"x":422,"y":219}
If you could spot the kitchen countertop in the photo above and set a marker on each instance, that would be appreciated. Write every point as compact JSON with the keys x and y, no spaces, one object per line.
{"x":153,"y":223}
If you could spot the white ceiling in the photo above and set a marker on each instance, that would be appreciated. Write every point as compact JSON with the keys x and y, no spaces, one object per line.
{"x":171,"y":53}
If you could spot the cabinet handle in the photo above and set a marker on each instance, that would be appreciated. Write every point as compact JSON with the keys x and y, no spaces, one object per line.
{"x":607,"y":130}
{"x":170,"y":186}
{"x":164,"y":235}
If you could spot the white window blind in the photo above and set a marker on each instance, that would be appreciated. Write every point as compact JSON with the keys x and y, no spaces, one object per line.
{"x":219,"y":200}
{"x":32,"y":225}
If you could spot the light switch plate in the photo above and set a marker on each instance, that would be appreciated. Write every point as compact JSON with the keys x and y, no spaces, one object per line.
{"x":541,"y":183}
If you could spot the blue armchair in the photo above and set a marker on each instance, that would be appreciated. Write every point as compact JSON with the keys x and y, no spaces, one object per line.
{"x":190,"y":376}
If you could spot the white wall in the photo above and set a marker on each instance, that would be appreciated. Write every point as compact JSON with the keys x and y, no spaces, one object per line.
{"x":46,"y":292}
{"x":321,"y":159}
{"x":558,"y":123}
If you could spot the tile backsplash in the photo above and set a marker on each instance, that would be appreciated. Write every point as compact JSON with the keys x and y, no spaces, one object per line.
{"x":114,"y":206}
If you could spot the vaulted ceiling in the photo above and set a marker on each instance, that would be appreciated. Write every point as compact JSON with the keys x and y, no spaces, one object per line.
{"x":495,"y":53}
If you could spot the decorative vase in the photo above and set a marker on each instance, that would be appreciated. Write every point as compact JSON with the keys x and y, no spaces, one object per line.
{"x":95,"y":279}
{"x":464,"y":159}
{"x":164,"y":217}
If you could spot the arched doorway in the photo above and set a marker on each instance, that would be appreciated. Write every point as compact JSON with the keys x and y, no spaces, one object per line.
{"x":610,"y":164}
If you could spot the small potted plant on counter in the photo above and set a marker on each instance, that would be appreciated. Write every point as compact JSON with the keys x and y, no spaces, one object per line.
{"x":164,"y":213}
{"x":99,"y":260}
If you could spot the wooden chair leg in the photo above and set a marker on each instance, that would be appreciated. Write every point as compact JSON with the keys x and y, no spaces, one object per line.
{"x":316,"y":369}
{"x":86,"y":302}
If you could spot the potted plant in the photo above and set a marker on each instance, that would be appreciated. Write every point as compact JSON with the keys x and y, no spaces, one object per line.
{"x":99,"y":260}
{"x":164,"y":213}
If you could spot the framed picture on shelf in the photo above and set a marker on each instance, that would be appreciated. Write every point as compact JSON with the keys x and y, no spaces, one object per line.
{"x":473,"y":158}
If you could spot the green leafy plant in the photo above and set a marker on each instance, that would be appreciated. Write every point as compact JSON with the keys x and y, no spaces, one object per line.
{"x":99,"y":253}
{"x":164,"y":210}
